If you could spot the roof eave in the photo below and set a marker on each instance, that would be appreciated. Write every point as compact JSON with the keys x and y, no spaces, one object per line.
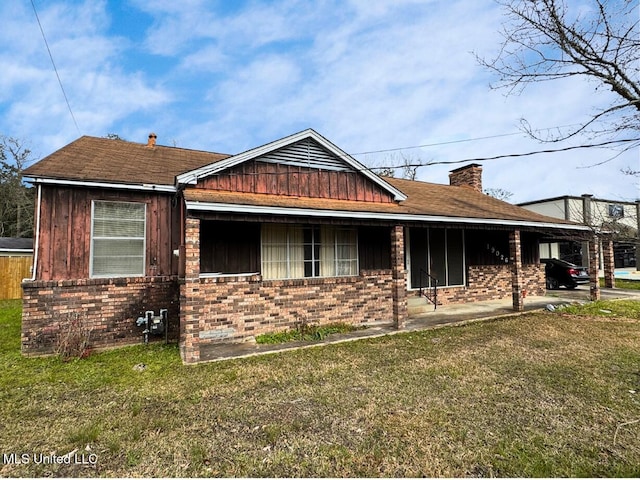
{"x":368,"y":215}
{"x":102,"y":184}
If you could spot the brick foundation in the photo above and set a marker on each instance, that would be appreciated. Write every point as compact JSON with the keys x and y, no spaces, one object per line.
{"x":108,"y":307}
{"x":223,"y":309}
{"x":219,"y":309}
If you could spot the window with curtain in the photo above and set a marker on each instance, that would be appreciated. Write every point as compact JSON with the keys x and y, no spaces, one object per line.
{"x":319,"y":251}
{"x":118,"y":239}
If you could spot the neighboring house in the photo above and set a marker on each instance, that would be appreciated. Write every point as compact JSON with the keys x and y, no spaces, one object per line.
{"x":16,"y":247}
{"x":620,"y":219}
{"x":236,"y":246}
{"x":15,"y":264}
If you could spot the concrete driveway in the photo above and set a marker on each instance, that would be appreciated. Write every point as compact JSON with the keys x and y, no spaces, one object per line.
{"x":581,"y":293}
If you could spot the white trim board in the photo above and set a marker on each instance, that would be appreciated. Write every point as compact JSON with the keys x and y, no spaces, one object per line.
{"x":121,"y":186}
{"x":308,"y":212}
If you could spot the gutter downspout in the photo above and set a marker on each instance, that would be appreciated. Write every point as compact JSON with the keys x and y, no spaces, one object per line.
{"x":36,"y":246}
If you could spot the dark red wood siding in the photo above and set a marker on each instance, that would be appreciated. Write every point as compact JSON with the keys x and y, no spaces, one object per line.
{"x":296,"y":181}
{"x":65,"y":231}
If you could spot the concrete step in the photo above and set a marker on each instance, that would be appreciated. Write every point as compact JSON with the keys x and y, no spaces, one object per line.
{"x":418,"y":306}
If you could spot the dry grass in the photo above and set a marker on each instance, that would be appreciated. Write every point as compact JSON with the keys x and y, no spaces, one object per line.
{"x":536,"y":395}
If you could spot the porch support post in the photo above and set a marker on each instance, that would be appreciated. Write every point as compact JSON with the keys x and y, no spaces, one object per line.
{"x":609,"y":264}
{"x":189,"y":294}
{"x":594,"y":282}
{"x":399,"y":282}
{"x":515,"y":254}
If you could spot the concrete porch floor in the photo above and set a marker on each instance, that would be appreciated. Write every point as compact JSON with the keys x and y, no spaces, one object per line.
{"x":444,"y":315}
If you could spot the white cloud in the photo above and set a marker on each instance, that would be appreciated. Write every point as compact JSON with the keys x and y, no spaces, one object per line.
{"x":99,"y":92}
{"x":228,"y":76}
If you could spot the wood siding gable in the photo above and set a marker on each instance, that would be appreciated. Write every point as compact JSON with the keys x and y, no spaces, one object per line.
{"x":303,"y":169}
{"x":301,"y":165}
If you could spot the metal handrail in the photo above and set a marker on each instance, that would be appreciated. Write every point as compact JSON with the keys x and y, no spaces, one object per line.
{"x":424,"y":288}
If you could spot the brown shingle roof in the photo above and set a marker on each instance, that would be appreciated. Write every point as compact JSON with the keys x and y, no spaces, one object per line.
{"x":425,"y":199}
{"x":95,"y":159}
{"x":117,"y":161}
{"x":436,"y":199}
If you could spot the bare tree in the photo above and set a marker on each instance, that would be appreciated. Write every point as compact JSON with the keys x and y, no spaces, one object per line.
{"x":598,"y":40}
{"x":499,"y":193}
{"x":16,"y":199}
{"x":113,"y":136}
{"x":407,"y":165}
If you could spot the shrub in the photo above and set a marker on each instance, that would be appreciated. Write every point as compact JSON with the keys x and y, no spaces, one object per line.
{"x":73,"y":339}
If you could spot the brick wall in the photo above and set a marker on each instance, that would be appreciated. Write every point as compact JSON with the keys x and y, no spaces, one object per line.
{"x":533,"y":280}
{"x":108,"y":307}
{"x":493,"y":282}
{"x":233,"y":308}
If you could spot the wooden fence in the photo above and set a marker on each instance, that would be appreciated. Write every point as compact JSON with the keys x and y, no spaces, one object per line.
{"x":12,"y":271}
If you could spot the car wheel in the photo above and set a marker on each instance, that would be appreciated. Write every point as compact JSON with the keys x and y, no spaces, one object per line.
{"x":552,"y":284}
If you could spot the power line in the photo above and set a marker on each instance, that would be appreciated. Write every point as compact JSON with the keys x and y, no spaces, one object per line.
{"x":515,"y":155}
{"x":55,"y":68}
{"x":458,"y":141}
{"x":453,"y":162}
{"x":397,"y":149}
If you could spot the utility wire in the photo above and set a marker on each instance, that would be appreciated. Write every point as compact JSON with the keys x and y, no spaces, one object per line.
{"x":452,"y":162}
{"x":55,"y":68}
{"x":459,"y":141}
{"x":514,"y":155}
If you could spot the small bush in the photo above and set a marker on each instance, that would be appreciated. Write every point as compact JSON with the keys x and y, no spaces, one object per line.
{"x":73,"y":339}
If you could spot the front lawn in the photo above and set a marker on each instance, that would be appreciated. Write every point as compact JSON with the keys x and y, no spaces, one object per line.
{"x":544,"y":394}
{"x":624,"y":283}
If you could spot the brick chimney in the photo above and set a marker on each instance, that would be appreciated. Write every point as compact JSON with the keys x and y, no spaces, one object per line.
{"x":152,"y":140}
{"x":469,"y":176}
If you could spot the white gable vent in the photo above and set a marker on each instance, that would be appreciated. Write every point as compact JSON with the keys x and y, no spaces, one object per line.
{"x":306,"y":153}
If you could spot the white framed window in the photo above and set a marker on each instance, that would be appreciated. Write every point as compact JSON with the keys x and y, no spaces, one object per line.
{"x":117,"y":239}
{"x":616,"y":210}
{"x":291,"y":251}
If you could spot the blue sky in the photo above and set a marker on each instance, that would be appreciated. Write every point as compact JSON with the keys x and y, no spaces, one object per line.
{"x":226,"y":76}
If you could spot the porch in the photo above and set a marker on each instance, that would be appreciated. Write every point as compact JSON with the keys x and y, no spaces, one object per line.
{"x":258,"y":274}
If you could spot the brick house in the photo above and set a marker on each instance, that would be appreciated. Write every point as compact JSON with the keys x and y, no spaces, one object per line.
{"x":235,"y":246}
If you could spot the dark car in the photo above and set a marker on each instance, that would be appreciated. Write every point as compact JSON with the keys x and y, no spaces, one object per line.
{"x":560,"y":272}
